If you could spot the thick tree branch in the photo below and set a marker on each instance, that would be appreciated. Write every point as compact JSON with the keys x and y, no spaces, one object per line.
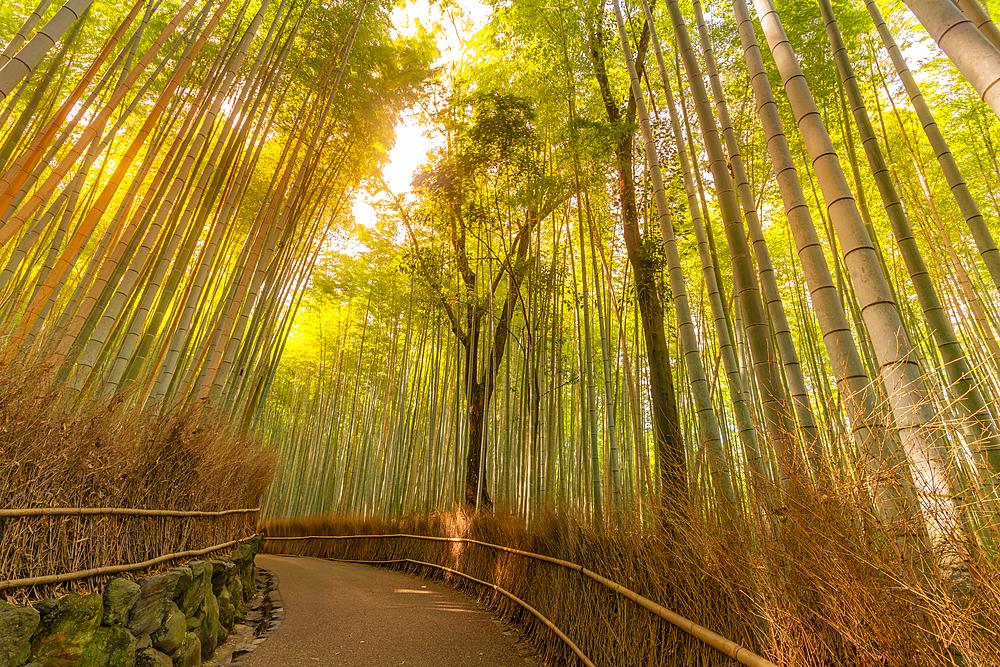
{"x":436,"y":288}
{"x":502,"y":333}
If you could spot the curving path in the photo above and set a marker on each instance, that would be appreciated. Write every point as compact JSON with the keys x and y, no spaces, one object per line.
{"x":344,"y":614}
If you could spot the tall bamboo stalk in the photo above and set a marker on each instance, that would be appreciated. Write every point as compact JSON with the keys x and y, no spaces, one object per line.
{"x":898,"y":366}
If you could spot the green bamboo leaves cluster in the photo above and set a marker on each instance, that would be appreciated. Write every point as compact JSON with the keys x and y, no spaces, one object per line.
{"x":167,"y":179}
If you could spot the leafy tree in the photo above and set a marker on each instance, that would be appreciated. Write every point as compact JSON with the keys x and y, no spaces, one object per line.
{"x":471,"y":231}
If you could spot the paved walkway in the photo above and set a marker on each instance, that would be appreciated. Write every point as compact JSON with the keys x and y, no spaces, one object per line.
{"x":343,"y":614}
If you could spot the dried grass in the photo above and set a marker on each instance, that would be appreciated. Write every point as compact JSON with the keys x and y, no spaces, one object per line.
{"x":104,"y":454}
{"x":824,"y":590}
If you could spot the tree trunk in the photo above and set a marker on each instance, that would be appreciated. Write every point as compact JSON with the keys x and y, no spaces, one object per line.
{"x":852,"y":379}
{"x":474,"y":492}
{"x":21,"y":65}
{"x":666,"y":421}
{"x":708,"y":426}
{"x":782,"y":332}
{"x":22,"y":33}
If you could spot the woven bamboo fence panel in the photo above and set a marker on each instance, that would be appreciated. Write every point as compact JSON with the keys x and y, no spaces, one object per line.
{"x":45,"y":541}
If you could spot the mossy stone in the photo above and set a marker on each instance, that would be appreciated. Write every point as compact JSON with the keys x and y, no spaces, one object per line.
{"x":168,"y":637}
{"x":208,"y":629}
{"x":17,"y":624}
{"x":119,"y":596}
{"x":150,"y":657}
{"x":185,"y":578}
{"x":243,"y":555}
{"x":249,"y":588}
{"x":66,"y":628}
{"x":221,"y":572}
{"x":227,"y":613}
{"x":236,"y":597}
{"x":112,"y":646}
{"x":189,"y":653}
{"x":201,"y":580}
{"x":148,"y":612}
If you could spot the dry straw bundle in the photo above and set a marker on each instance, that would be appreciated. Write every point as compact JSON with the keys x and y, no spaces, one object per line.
{"x":608,"y":628}
{"x":99,"y":454}
{"x":805,"y":596}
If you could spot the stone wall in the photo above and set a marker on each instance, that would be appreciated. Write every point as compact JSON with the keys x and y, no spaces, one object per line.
{"x":174,"y":619}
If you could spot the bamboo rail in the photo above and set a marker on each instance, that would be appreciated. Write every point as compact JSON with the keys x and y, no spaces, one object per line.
{"x":552,"y":626}
{"x":112,"y":511}
{"x":112,"y":569}
{"x":741,"y":654}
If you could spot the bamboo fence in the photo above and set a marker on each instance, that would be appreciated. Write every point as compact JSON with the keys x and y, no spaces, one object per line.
{"x":45,"y":547}
{"x":729,"y":648}
{"x":114,"y":569}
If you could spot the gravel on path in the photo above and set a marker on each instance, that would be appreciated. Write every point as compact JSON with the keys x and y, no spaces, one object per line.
{"x":350,"y":615}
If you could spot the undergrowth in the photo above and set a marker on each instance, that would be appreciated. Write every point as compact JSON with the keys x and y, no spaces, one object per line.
{"x":106,"y":454}
{"x":823,"y":588}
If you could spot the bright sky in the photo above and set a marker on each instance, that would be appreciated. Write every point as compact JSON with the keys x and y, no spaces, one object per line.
{"x":413,"y":139}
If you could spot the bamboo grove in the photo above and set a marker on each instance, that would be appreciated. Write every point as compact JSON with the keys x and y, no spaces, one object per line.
{"x":169,"y":171}
{"x":673,"y":269}
{"x":683,"y":260}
